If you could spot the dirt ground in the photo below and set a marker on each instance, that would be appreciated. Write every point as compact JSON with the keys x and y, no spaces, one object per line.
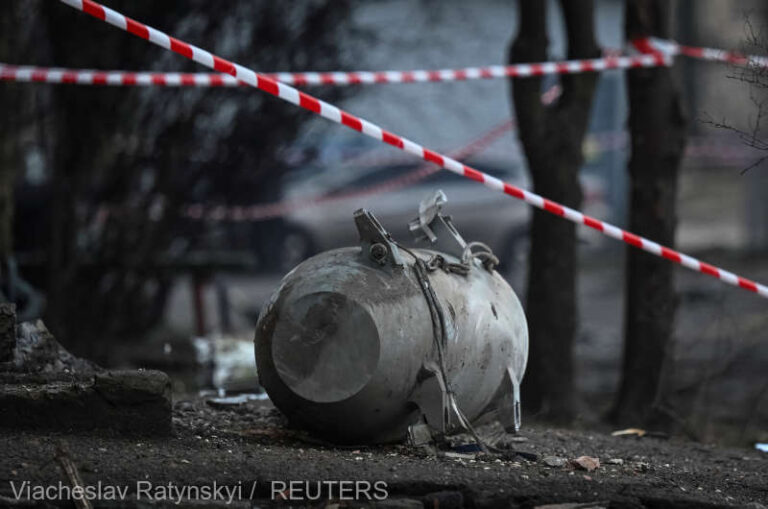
{"x":249,"y":446}
{"x":718,"y":387}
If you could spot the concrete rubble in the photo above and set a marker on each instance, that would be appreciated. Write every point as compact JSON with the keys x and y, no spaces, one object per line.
{"x":44,"y":387}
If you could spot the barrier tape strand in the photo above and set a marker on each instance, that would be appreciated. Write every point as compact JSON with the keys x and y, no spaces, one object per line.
{"x":654,"y":45}
{"x":202,"y":79}
{"x":653,"y":53}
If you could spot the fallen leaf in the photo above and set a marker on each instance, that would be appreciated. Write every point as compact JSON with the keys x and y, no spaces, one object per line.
{"x":587,"y":463}
{"x":629,"y":431}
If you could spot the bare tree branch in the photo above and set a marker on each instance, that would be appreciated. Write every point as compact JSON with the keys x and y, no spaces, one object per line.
{"x":755,"y":76}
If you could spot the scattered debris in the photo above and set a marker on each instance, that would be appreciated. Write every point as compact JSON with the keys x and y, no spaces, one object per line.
{"x":203,"y":436}
{"x":587,"y":463}
{"x":240,"y":399}
{"x":554,"y":461}
{"x":231,"y":361}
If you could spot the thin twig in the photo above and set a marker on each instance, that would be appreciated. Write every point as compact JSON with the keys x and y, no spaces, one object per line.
{"x":73,"y":474}
{"x":755,"y":76}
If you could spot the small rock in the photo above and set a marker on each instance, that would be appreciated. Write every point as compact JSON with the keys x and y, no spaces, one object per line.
{"x":642,"y":467}
{"x":587,"y":463}
{"x":554,"y":461}
{"x":615,"y":461}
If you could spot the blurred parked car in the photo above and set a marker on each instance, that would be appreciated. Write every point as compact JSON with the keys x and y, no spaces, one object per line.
{"x":479,"y":213}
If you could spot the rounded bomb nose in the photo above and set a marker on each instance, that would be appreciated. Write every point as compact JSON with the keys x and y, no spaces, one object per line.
{"x":326,"y":347}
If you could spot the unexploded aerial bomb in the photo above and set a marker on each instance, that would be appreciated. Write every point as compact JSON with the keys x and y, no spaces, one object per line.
{"x":366,"y":344}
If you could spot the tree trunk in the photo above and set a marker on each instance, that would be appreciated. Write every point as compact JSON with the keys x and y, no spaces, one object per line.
{"x":8,"y":147}
{"x":657,"y":127}
{"x":552,"y":139}
{"x":6,"y":203}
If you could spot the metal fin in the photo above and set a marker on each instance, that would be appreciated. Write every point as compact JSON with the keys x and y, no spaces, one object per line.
{"x":432,"y":398}
{"x":508,"y":410}
{"x":376,"y":241}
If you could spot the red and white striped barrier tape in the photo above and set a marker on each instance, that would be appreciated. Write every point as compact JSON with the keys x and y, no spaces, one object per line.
{"x":337,"y":115}
{"x":720,"y":55}
{"x":175,"y":79}
{"x":472,"y":73}
{"x":31,"y":74}
{"x":653,"y":53}
{"x":653,"y":45}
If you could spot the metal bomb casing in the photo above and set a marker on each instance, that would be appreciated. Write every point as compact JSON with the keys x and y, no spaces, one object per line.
{"x":346,"y":346}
